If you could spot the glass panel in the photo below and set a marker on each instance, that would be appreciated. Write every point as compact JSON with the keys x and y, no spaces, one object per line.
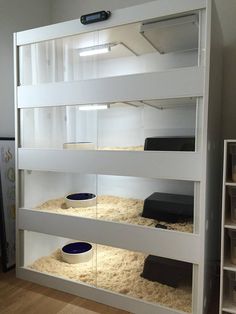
{"x":145,"y":277}
{"x":153,"y":203}
{"x":137,"y":125}
{"x":146,"y":46}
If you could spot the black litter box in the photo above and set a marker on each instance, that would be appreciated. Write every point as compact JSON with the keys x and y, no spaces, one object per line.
{"x":170,"y":143}
{"x":168,"y":207}
{"x":167,"y":271}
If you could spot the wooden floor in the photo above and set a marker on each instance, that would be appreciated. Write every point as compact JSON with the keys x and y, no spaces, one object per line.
{"x":22,"y":297}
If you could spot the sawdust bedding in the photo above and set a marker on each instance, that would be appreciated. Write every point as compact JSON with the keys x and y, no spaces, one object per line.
{"x":131,"y":148}
{"x":113,"y":208}
{"x":116,"y":270}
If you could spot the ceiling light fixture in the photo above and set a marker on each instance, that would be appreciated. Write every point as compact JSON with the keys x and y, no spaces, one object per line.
{"x":93,"y":107}
{"x":94,"y":50}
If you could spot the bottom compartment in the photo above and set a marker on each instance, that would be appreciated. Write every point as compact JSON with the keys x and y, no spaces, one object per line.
{"x":117,"y":270}
{"x":229,"y":297}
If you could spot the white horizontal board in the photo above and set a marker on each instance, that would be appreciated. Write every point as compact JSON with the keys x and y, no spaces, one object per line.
{"x":154,"y":9}
{"x":176,"y":83}
{"x":148,"y":164}
{"x":96,"y":294}
{"x":171,"y":244}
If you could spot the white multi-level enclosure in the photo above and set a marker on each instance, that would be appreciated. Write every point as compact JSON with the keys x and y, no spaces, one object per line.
{"x":161,"y":77}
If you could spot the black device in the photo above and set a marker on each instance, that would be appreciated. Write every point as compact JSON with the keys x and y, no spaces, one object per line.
{"x":167,"y":271}
{"x":95,"y":17}
{"x":170,"y":143}
{"x":168,"y":207}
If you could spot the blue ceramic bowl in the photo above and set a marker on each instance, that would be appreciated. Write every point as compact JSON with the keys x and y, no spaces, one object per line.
{"x":77,"y":252}
{"x":78,"y":200}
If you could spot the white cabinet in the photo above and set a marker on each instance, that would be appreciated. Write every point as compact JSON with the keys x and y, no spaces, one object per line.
{"x":160,"y":78}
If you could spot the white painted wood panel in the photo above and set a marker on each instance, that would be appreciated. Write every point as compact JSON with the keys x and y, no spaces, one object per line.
{"x":176,"y":83}
{"x":149,"y":164}
{"x":170,"y":244}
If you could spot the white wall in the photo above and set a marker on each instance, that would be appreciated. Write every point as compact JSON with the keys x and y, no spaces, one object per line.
{"x":15,"y":15}
{"x":63,"y":10}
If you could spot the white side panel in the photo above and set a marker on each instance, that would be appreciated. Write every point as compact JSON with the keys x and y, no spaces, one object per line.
{"x":96,"y":294}
{"x":176,"y":245}
{"x":177,"y":83}
{"x":155,"y":9}
{"x":161,"y":165}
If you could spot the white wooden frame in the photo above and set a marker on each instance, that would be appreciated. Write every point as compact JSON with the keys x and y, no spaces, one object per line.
{"x":188,"y":82}
{"x":160,"y":165}
{"x":186,"y":246}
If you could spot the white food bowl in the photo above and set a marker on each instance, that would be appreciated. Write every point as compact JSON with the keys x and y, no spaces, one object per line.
{"x":77,"y":252}
{"x":77,"y":200}
{"x":79,"y":145}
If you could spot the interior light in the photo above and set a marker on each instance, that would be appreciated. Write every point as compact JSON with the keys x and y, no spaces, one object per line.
{"x":93,"y":107}
{"x":94,"y":50}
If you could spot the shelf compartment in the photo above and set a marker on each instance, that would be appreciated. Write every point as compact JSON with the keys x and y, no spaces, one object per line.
{"x":185,"y":82}
{"x":228,"y":304}
{"x":111,"y":268}
{"x":162,"y":165}
{"x":119,"y":199}
{"x":168,"y":124}
{"x":169,"y":244}
{"x":127,"y":52}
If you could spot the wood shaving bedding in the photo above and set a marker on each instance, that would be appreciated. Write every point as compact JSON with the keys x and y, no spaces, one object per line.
{"x":131,"y":148}
{"x":113,"y":208}
{"x":118,"y":270}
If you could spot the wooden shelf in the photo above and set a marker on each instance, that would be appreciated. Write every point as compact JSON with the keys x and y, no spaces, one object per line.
{"x":178,"y":245}
{"x":228,"y":265}
{"x":229,"y":224}
{"x":149,"y":164}
{"x":230,"y":183}
{"x":174,"y":83}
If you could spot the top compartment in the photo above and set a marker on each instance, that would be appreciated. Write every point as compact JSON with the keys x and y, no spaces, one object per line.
{"x":142,"y":47}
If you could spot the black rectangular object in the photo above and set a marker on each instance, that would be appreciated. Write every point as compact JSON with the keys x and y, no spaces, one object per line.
{"x":95,"y":17}
{"x":167,"y":271}
{"x":170,"y":143}
{"x":168,"y":207}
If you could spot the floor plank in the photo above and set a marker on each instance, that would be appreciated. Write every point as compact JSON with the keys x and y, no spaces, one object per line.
{"x":22,"y":297}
